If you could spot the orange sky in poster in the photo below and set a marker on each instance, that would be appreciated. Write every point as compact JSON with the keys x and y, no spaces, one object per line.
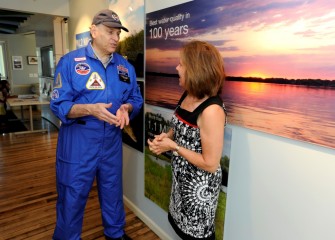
{"x":285,"y":39}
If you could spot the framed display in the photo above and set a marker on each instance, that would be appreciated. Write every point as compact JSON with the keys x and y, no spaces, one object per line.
{"x":32,"y":60}
{"x":17,"y":62}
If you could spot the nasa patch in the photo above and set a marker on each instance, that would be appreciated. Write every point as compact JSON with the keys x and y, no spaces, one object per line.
{"x":83,"y":68}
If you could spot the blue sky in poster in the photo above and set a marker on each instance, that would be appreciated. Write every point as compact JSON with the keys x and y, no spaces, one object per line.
{"x":131,"y":13}
{"x":289,"y":39}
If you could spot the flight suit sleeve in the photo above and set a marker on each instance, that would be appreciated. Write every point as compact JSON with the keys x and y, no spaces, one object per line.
{"x":63,"y":93}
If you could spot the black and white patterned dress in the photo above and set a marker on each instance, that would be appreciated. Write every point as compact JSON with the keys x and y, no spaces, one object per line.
{"x":195,"y":192}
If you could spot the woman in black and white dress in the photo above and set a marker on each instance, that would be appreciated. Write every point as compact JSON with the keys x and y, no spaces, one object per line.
{"x":196,"y":140}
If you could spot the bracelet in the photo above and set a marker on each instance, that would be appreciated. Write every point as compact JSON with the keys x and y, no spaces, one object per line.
{"x":176,"y":151}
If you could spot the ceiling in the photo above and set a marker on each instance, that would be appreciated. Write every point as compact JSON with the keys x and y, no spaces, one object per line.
{"x":41,"y":25}
{"x":14,"y":22}
{"x":10,"y":21}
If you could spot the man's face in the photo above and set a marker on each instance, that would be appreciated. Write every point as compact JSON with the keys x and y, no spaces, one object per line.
{"x":105,"y":38}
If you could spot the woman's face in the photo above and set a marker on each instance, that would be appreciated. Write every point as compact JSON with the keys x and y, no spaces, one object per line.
{"x":181,"y":72}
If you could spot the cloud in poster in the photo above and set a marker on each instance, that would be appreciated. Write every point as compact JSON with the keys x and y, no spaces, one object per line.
{"x":292,"y":39}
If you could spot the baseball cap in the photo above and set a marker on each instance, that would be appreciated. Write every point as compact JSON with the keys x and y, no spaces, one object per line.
{"x":109,"y":19}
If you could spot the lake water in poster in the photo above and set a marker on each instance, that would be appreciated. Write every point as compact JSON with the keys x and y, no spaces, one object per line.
{"x":292,"y":111}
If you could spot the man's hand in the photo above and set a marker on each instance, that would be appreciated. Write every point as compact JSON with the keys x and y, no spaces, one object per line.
{"x":122,"y":115}
{"x":99,"y":110}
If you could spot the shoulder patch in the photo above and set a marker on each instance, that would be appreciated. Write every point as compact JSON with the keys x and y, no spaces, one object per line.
{"x":95,"y":82}
{"x":58,"y":81}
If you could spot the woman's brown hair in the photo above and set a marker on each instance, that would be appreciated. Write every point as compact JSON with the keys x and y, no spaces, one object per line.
{"x":204,"y":74}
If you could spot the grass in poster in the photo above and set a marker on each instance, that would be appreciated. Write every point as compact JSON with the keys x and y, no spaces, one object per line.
{"x":220,"y":216}
{"x":157,"y":182}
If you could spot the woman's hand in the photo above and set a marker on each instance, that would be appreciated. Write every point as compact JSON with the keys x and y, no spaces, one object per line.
{"x":161,"y":143}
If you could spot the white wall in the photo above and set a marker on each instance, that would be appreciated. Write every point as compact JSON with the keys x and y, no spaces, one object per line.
{"x":81,"y":15}
{"x":21,"y":45}
{"x":279,"y":189}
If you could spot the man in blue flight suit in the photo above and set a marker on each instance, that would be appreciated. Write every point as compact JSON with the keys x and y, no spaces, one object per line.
{"x":95,"y":94}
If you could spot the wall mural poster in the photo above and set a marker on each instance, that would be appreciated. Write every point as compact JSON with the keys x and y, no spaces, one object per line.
{"x":278,"y":58}
{"x":132,"y":134}
{"x":158,"y":175}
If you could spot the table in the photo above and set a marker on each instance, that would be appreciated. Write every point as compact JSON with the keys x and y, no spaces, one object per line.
{"x":28,"y":101}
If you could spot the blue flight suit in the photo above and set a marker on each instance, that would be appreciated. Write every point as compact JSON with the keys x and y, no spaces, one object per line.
{"x":88,"y":147}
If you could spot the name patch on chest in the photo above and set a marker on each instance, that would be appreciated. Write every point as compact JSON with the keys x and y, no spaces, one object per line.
{"x":79,"y":59}
{"x":95,"y":82}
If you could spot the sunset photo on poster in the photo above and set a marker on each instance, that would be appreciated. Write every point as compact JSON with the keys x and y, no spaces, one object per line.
{"x":278,"y":58}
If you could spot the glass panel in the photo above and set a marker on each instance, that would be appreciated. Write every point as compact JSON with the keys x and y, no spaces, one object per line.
{"x":3,"y":61}
{"x":47,"y":59}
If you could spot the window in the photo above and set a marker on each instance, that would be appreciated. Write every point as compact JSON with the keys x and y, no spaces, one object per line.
{"x":47,"y":60}
{"x":3,"y":61}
